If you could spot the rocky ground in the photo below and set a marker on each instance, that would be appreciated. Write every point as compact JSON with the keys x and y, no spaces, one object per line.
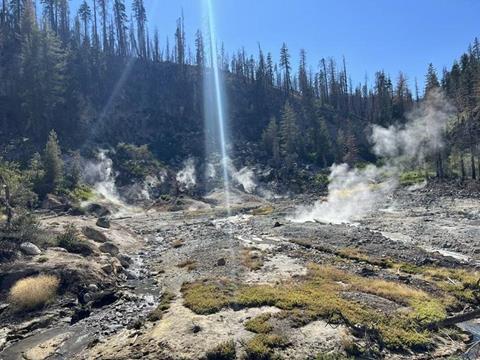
{"x":199,"y":277}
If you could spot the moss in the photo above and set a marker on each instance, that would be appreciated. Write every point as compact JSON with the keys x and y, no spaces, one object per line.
{"x":261,"y":347}
{"x":259,"y":324}
{"x":207,"y":298}
{"x":263,"y":210}
{"x":224,"y":351}
{"x":319,"y":295}
{"x":163,"y":306}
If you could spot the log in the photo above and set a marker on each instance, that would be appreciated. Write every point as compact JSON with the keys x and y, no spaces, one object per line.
{"x":455,"y":319}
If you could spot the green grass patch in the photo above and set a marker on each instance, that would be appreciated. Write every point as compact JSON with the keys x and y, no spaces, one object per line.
{"x":409,"y":178}
{"x":319,"y":295}
{"x":261,"y":346}
{"x":259,"y":324}
{"x":223,"y":351}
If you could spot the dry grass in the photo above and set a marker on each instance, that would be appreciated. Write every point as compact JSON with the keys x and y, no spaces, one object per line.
{"x":33,"y":292}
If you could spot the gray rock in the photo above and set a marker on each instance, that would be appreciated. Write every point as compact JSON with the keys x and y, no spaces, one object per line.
{"x":107,"y":268}
{"x":58,"y":249}
{"x":92,"y":288}
{"x":30,"y":249}
{"x":103,"y":222}
{"x":52,"y":202}
{"x":125,"y":260}
{"x":94,"y":234}
{"x":109,"y":248}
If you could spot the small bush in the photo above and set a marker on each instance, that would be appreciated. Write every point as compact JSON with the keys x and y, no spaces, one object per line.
{"x":71,"y":241}
{"x":411,"y":178}
{"x":33,"y":292}
{"x":82,"y":193}
{"x":224,"y":351}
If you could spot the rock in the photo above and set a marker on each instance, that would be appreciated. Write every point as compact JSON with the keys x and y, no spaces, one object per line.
{"x":30,"y":249}
{"x":104,"y":298}
{"x":98,"y":210}
{"x":79,"y":314}
{"x":109,"y":248}
{"x":94,"y":234}
{"x":92,"y":288}
{"x":3,"y":337}
{"x":103,"y":222}
{"x":221,"y":262}
{"x":125,"y":260}
{"x":107,"y":268}
{"x":277,"y":224}
{"x":58,"y":249}
{"x":130,"y":275}
{"x":52,"y":202}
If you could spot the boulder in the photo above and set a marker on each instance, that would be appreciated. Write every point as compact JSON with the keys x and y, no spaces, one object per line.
{"x":52,"y":202}
{"x":109,"y":248}
{"x":98,"y":210}
{"x":125,"y":260}
{"x":94,"y":234}
{"x":30,"y":249}
{"x":103,"y":222}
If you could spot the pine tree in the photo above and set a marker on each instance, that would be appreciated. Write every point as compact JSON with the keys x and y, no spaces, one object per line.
{"x":285,"y":64}
{"x":53,"y":164}
{"x":141,"y":18}
{"x":271,"y":141}
{"x":431,"y":78}
{"x":85,"y":14}
{"x":120,"y":17}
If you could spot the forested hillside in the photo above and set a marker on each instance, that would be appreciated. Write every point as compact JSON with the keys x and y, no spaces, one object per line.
{"x":97,"y":78}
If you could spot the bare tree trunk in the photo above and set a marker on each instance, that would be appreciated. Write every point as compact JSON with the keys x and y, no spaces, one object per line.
{"x":462,"y":166}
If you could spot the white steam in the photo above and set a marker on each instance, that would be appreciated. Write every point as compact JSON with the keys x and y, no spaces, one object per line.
{"x":101,"y":176}
{"x":244,"y":177}
{"x":187,"y":176}
{"x":352,"y":193}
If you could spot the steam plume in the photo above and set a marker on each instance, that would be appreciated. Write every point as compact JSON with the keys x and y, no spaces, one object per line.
{"x":352,"y":193}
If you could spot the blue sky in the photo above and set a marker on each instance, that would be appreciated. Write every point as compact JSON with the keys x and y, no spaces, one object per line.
{"x":391,"y":35}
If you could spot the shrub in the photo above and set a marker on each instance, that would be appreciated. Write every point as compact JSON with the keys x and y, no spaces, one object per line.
{"x":82,"y":193}
{"x":33,"y":292}
{"x":71,"y":241}
{"x":224,"y":351}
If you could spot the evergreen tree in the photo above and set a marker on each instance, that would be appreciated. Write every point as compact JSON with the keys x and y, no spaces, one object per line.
{"x":285,"y":64}
{"x":431,"y":78}
{"x":53,"y":164}
{"x":271,"y":141}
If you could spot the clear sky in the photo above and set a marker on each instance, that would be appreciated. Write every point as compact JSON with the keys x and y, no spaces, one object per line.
{"x":391,"y":35}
